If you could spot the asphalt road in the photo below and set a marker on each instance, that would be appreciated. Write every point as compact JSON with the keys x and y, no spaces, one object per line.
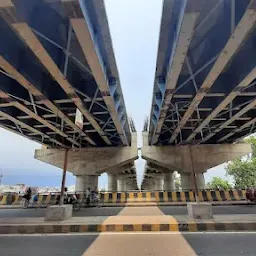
{"x":112,"y":211}
{"x":131,"y":244}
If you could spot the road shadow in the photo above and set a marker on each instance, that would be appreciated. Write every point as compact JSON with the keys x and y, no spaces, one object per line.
{"x":217,"y":210}
{"x":221,"y":244}
{"x":98,"y":211}
{"x":37,"y":213}
{"x":46,"y":245}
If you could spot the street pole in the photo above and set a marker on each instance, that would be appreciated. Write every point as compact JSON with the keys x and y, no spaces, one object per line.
{"x":193,"y":174}
{"x":64,"y":177}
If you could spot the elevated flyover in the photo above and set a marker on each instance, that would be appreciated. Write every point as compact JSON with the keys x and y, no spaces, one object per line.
{"x":204,"y":88}
{"x":59,"y":84}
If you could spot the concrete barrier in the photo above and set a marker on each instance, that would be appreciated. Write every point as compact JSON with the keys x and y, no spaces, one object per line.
{"x":136,"y":197}
{"x":171,"y":226}
{"x":8,"y":198}
{"x":3,"y":199}
{"x":173,"y":196}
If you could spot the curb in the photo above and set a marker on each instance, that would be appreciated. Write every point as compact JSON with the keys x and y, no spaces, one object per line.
{"x":173,"y":227}
{"x":173,"y":204}
{"x":142,"y":204}
{"x":13,"y":207}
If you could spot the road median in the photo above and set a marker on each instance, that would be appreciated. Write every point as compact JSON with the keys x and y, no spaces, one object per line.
{"x":142,"y":204}
{"x":176,"y":223}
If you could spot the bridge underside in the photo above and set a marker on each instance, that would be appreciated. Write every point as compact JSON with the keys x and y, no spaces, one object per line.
{"x":204,"y":89}
{"x":59,"y":86}
{"x":59,"y":83}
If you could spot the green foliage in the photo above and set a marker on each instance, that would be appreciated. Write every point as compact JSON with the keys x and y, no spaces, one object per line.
{"x":252,"y":141}
{"x":219,"y":183}
{"x":177,"y":183}
{"x":244,"y":170}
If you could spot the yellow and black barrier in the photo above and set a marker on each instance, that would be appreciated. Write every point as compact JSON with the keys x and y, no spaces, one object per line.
{"x":173,"y":226}
{"x":9,"y":199}
{"x":173,"y":196}
{"x":3,"y":199}
{"x":136,"y":197}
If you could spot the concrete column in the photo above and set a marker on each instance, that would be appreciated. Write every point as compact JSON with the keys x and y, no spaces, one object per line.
{"x":121,"y":186}
{"x":83,"y":182}
{"x":128,"y":186}
{"x":112,"y":182}
{"x":147,"y":184}
{"x":131,"y":185}
{"x":158,"y":180}
{"x":186,"y":181}
{"x":169,"y":181}
{"x":148,"y":187}
{"x":151,"y":184}
{"x":200,"y":181}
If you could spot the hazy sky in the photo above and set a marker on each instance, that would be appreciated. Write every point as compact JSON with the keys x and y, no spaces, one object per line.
{"x":134,"y":27}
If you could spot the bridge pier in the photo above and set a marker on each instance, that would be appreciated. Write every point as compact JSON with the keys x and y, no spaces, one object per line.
{"x":121,"y":183}
{"x":147,"y":184}
{"x":117,"y":177}
{"x":88,"y":163}
{"x":112,"y":182}
{"x":158,"y":182}
{"x":200,"y":180}
{"x":186,"y":181}
{"x":126,"y":182}
{"x":129,"y":186}
{"x":186,"y":158}
{"x":169,"y":181}
{"x":83,"y":182}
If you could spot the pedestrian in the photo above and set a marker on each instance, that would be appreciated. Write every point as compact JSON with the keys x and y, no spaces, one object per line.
{"x":27,"y":197}
{"x":35,"y":200}
{"x":88,"y":195}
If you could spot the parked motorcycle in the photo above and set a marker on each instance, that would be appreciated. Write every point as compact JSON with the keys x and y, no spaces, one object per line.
{"x":251,"y":195}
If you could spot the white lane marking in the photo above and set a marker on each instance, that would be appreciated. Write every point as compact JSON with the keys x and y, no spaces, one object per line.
{"x":131,"y":233}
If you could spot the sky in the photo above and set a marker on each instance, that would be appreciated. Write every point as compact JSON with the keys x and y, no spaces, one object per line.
{"x":134,"y":27}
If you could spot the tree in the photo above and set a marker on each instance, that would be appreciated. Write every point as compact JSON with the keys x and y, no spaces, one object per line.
{"x":244,"y":170}
{"x":252,"y":140}
{"x":219,"y":183}
{"x":177,"y":183}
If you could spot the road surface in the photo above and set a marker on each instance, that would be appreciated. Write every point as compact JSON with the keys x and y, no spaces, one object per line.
{"x":113,"y":211}
{"x":131,"y":244}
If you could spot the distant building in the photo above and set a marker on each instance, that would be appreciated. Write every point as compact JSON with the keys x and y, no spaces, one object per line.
{"x":21,"y":188}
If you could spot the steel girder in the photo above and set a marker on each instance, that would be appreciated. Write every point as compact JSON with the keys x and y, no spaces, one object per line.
{"x":56,"y":57}
{"x":204,"y":90}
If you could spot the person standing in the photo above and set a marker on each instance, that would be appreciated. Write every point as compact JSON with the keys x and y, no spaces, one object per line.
{"x":88,"y":196}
